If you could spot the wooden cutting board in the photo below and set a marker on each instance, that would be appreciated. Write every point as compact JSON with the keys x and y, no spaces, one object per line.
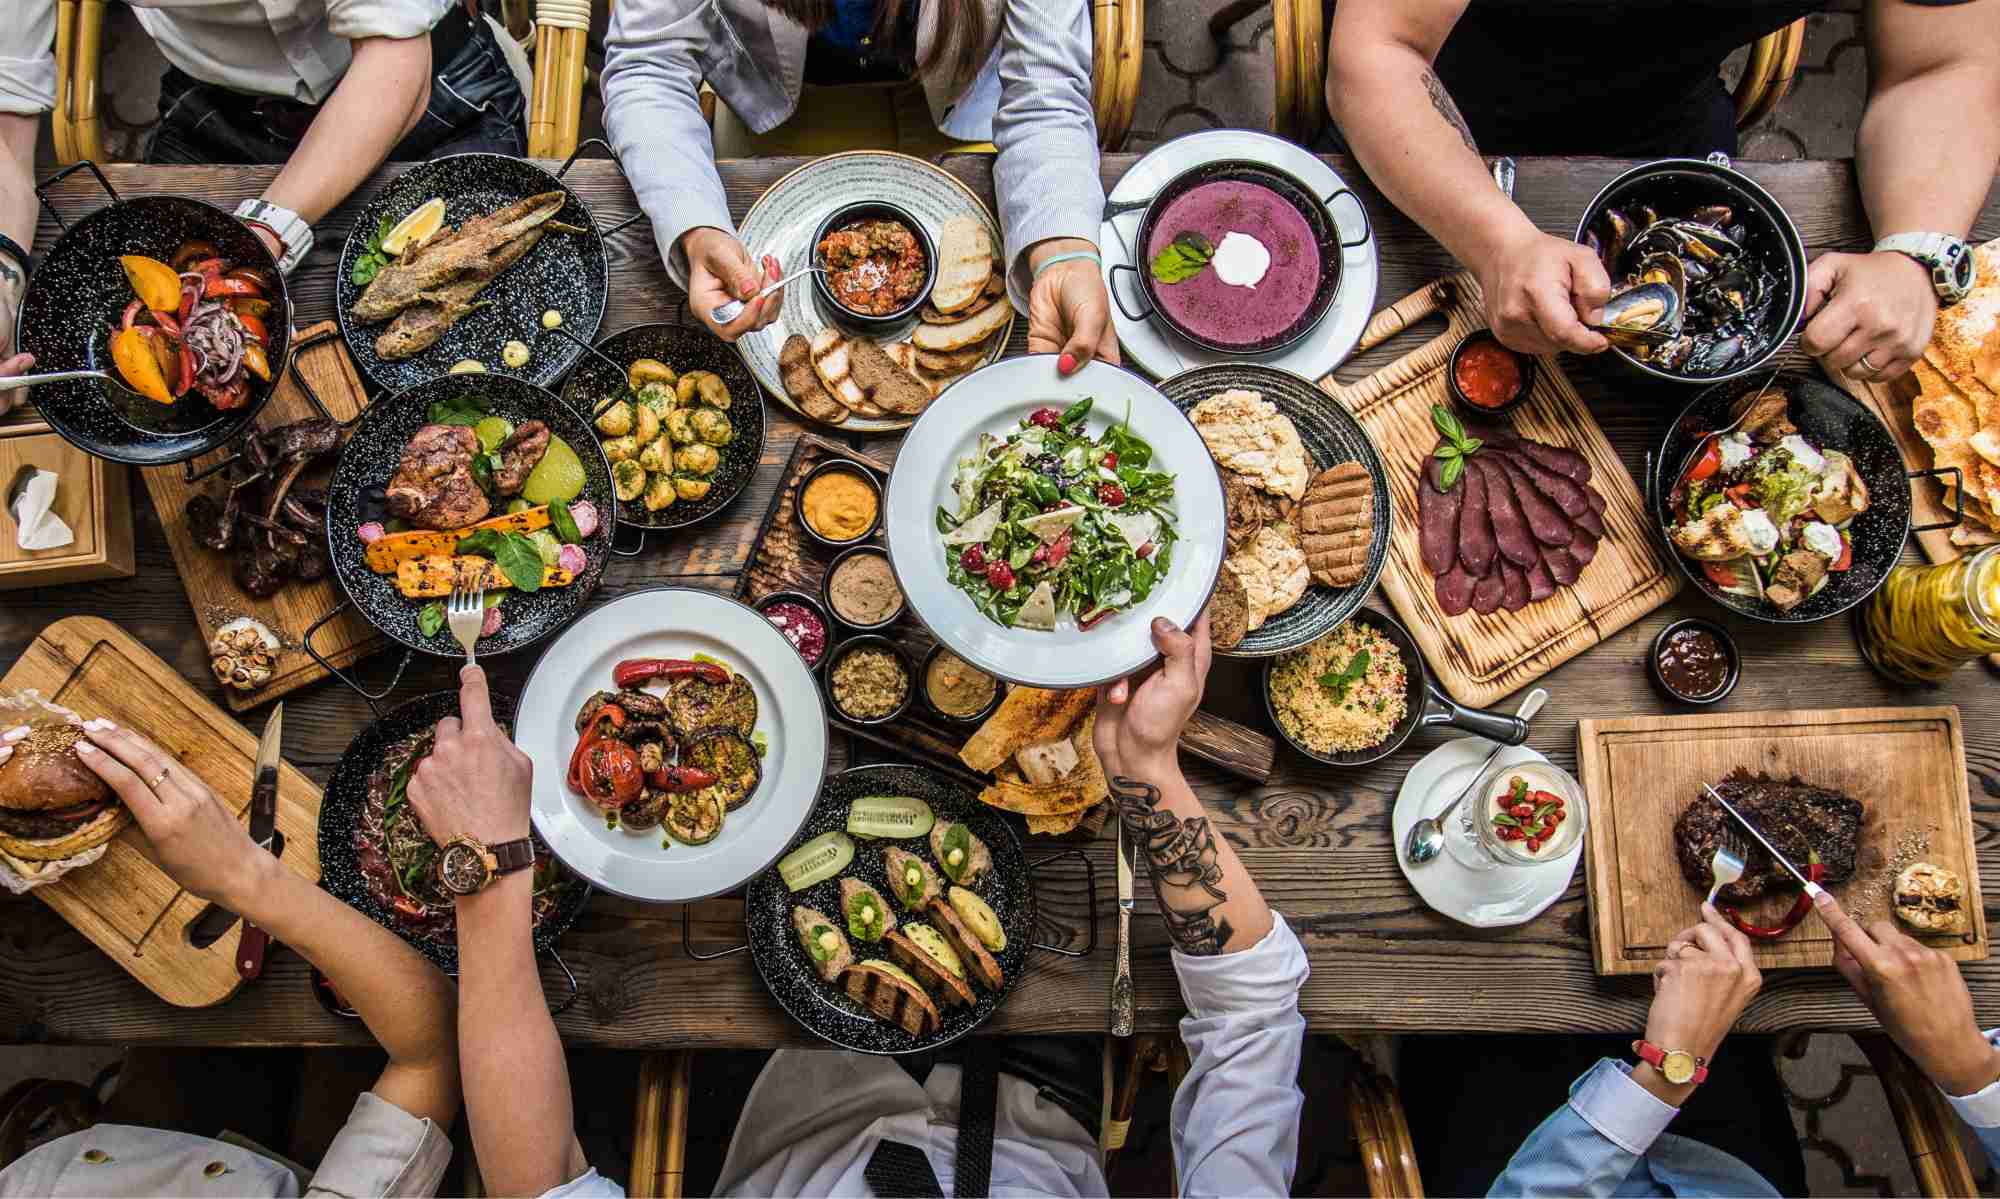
{"x":1906,"y":766}
{"x":1480,"y":659}
{"x":318,"y":354}
{"x":122,"y":902}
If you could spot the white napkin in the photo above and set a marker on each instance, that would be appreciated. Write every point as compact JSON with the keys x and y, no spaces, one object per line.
{"x":39,"y":526}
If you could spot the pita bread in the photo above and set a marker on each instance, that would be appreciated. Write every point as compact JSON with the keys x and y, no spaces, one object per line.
{"x":965,"y":263}
{"x":1247,"y":434}
{"x":1028,"y":716}
{"x":1274,"y":573}
{"x":1947,"y":419}
{"x":1083,"y":789}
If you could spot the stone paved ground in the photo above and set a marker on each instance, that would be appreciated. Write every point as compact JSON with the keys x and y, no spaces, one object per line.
{"x":1191,"y":83}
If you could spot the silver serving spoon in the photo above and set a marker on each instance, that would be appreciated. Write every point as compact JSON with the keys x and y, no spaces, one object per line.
{"x":1427,"y":835}
{"x":16,"y":382}
{"x":722,"y":314}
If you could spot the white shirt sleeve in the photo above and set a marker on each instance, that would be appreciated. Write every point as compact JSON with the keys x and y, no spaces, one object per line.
{"x":1981,"y":1109}
{"x":28,"y":60}
{"x":588,"y":1185}
{"x":357,"y":19}
{"x":1045,"y":174}
{"x":1236,"y":1117}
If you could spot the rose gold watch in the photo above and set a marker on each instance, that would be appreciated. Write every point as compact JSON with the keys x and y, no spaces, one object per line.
{"x":465,"y":866}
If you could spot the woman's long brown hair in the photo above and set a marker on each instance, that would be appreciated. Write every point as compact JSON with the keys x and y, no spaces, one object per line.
{"x":961,"y":26}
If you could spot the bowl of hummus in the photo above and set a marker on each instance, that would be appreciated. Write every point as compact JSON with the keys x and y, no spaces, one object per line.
{"x":861,"y":589}
{"x":957,"y":690}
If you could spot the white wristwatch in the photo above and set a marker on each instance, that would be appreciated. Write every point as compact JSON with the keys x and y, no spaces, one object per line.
{"x":1948,"y":258}
{"x":291,"y":228}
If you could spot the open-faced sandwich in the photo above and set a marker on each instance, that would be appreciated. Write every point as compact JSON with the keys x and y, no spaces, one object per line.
{"x":915,"y":884}
{"x":825,"y":945}
{"x":970,"y":950}
{"x":868,"y":916}
{"x":888,"y":991}
{"x":962,"y":856}
{"x":924,"y":952}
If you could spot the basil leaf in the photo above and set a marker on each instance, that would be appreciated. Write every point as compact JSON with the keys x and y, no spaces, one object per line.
{"x":430,"y":619}
{"x":1184,"y":258}
{"x":372,"y":259}
{"x":458,"y":410}
{"x":1340,"y":683}
{"x":515,"y":554}
{"x":1447,"y":424}
{"x":565,"y":524}
{"x":1448,"y":477}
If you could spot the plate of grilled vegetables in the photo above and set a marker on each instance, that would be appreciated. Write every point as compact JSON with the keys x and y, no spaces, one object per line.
{"x":900,"y":917}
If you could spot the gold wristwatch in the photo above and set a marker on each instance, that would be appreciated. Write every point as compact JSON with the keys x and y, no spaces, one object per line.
{"x":1677,"y":1066}
{"x":467,"y":867}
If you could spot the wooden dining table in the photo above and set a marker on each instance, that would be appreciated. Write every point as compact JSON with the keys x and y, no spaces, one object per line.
{"x":1317,"y":839}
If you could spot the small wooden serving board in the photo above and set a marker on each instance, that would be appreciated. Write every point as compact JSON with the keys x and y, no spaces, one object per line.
{"x":208,"y":576}
{"x":784,"y":558}
{"x":1480,"y":659}
{"x":1905,"y":765}
{"x":123,"y":902}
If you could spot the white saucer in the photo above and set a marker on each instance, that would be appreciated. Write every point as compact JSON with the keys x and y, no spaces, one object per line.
{"x":1161,"y":353}
{"x":1496,"y":898}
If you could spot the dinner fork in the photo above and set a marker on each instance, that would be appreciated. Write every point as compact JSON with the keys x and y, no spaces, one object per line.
{"x":1725,"y":867}
{"x":465,"y":611}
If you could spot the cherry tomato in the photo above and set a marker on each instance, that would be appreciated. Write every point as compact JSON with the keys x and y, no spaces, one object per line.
{"x":1706,"y":465}
{"x":1719,"y":574}
{"x":611,"y":774}
{"x":1846,"y":559}
{"x":1534,"y":845}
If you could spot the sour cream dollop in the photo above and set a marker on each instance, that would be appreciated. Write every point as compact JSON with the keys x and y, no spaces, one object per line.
{"x":1803,"y":453}
{"x":1241,"y":260}
{"x":1735,"y":450}
{"x":1822,"y":538}
{"x":1759,"y":532}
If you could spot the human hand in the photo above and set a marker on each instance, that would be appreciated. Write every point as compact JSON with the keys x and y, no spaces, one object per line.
{"x":720,"y":270}
{"x":1541,"y":289}
{"x":10,"y":362}
{"x":201,"y":844}
{"x":1139,"y":720}
{"x":475,"y":783}
{"x":1879,"y":306}
{"x":1918,"y":995}
{"x":1068,"y":308}
{"x":1699,"y":989}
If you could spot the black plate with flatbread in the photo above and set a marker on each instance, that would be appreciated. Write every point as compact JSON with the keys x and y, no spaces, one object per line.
{"x":347,"y":795}
{"x":368,"y":460}
{"x":824,"y":1008}
{"x":594,"y":382}
{"x":1332,"y":437}
{"x":565,"y":271}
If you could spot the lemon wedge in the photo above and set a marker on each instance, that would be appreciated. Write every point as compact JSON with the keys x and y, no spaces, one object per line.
{"x":416,"y":228}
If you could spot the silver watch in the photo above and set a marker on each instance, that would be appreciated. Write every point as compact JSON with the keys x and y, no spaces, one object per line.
{"x":290,"y":227}
{"x":1948,"y":258}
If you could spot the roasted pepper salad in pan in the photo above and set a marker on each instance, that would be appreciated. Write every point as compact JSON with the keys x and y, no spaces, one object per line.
{"x":196,"y":323}
{"x":1053,"y":520}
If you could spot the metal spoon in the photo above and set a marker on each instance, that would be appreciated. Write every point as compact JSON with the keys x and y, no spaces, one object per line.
{"x":16,"y":382}
{"x":722,"y":314}
{"x":1427,"y":835}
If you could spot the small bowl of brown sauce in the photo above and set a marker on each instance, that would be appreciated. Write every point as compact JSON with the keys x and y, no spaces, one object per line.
{"x":880,"y":266}
{"x":957,"y":690}
{"x":869,"y":679}
{"x":1486,"y":377}
{"x":839,"y":503}
{"x":1694,"y":661}
{"x":861,"y":589}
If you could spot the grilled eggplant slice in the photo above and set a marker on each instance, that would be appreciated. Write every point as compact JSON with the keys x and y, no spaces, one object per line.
{"x":825,"y":945}
{"x":892,"y":995}
{"x":978,"y":962}
{"x":922,"y":950}
{"x":696,"y":704}
{"x":729,"y":756}
{"x":911,"y":879}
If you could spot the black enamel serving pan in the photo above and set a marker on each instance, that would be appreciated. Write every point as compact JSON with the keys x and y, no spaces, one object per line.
{"x":565,"y":272}
{"x":76,"y":297}
{"x":1315,"y":210}
{"x":1833,"y":420}
{"x":367,"y":461}
{"x":347,"y":795}
{"x":823,"y":1008}
{"x":1425,"y":705}
{"x":593,"y":385}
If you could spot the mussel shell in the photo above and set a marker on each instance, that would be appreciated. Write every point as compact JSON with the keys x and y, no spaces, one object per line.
{"x":1638,"y":315}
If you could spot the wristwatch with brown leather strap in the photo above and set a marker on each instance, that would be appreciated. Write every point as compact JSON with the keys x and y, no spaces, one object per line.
{"x":1677,"y":1066}
{"x":467,"y":867}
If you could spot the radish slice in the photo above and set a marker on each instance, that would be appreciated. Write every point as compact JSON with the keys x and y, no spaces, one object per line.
{"x":572,"y":559}
{"x":492,"y":622}
{"x":584,"y":513}
{"x":371,"y":532}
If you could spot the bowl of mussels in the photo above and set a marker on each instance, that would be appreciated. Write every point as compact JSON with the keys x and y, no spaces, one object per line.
{"x":1708,"y":273}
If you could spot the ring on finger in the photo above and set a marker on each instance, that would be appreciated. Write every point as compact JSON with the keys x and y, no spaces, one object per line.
{"x":154,"y":783}
{"x":1868,"y":366}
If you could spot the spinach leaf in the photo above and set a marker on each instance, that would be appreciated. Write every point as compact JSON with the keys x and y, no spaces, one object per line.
{"x":515,"y":554}
{"x":1073,"y":415}
{"x":565,"y":524}
{"x":372,"y":259}
{"x":430,"y":618}
{"x":1346,"y":678}
{"x":1132,"y":450}
{"x":458,"y":410}
{"x":400,"y":785}
{"x":946,"y":522}
{"x":1184,"y":258}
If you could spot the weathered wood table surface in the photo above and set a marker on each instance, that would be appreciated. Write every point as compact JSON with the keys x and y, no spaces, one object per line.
{"x":1317,"y":840}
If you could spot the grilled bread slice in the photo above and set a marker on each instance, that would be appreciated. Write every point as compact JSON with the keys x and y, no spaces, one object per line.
{"x":831,"y":361}
{"x":979,"y":962}
{"x":963,"y":334}
{"x":922,"y":959}
{"x":1337,"y":522}
{"x":951,"y":362}
{"x":802,"y":382}
{"x":888,"y":385}
{"x":965,"y":263}
{"x":890,"y":995}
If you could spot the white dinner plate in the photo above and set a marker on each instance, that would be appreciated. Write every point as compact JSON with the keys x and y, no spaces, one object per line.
{"x":994,"y":399}
{"x":673,"y":622}
{"x":1496,"y":898}
{"x":1158,"y":350}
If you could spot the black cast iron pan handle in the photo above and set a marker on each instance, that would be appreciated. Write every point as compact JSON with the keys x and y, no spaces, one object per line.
{"x":1440,"y":708}
{"x":1957,"y":489}
{"x":1090,"y":882}
{"x":612,"y":154}
{"x":65,"y":173}
{"x":600,"y":406}
{"x":1367,"y":232}
{"x":336,"y":672}
{"x":569,"y":976}
{"x":687,"y":946}
{"x":1119,"y":299}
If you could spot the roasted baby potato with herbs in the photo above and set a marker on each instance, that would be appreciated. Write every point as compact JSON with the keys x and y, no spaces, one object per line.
{"x":710,"y":389}
{"x":616,"y":421}
{"x":684,"y":391}
{"x":645,"y":424}
{"x":712,"y":426}
{"x":618,"y":449}
{"x":679,"y":427}
{"x":658,"y":456}
{"x":696,"y":459}
{"x":661,"y":491}
{"x":628,"y":479}
{"x":692,"y":489}
{"x":657,"y":396}
{"x":649,"y":370}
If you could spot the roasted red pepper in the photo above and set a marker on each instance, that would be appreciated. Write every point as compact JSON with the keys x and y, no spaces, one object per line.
{"x":1815,"y":870}
{"x":634,"y":671}
{"x":594,"y":731}
{"x":680,"y":779}
{"x":611,"y":774}
{"x":222,"y":285}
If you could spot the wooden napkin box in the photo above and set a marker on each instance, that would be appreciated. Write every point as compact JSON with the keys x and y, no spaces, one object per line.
{"x":91,"y":495}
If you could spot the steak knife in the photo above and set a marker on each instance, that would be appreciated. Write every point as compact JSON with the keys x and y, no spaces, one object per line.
{"x":1812,"y":888}
{"x":263,"y":831}
{"x":1121,"y":985}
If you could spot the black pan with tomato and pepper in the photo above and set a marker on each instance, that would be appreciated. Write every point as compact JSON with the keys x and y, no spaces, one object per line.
{"x":1816,"y":829}
{"x":678,"y":762}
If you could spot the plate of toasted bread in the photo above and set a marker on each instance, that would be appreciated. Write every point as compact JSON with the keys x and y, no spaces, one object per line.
{"x":813,"y":358}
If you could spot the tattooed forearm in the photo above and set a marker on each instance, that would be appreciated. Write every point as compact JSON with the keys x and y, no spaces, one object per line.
{"x":1181,"y":854}
{"x":1447,"y":108}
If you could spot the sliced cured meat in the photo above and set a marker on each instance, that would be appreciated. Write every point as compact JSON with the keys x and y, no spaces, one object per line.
{"x":1454,"y":589}
{"x":1562,"y":568}
{"x":1476,"y":547}
{"x":1564,"y":493}
{"x":1513,"y":586}
{"x":1437,"y":518}
{"x":1583,"y":548}
{"x":1545,"y":520}
{"x":1565,"y":462}
{"x":1590,"y":521}
{"x":1541,"y":584}
{"x":1596,"y":499}
{"x":1487,"y":594}
{"x":1510,"y":528}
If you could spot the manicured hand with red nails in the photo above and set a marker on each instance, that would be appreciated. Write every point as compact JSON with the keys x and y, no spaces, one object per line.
{"x":721,"y":270}
{"x":475,"y":783}
{"x":1068,"y":309}
{"x":1139,"y":720}
{"x":1918,"y":995}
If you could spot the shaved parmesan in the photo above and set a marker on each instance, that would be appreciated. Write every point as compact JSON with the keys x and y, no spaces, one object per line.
{"x":979,"y":528}
{"x":1137,"y":528}
{"x":1050,"y":525}
{"x":1040,"y":610}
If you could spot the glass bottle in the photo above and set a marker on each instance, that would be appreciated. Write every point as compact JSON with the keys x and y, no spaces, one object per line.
{"x":1927,"y":621}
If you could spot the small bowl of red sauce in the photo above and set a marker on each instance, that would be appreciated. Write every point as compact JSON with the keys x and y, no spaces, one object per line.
{"x":1695,"y":662}
{"x":801,"y":619}
{"x":881,"y":265}
{"x":1488,"y":378}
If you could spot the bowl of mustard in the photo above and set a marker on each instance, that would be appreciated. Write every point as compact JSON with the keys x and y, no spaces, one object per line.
{"x":839,"y":503}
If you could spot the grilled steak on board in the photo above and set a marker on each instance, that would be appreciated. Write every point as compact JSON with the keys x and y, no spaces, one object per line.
{"x":1794,"y":815}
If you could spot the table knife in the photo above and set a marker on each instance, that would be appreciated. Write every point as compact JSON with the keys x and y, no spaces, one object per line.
{"x":263,"y":831}
{"x":1121,"y":985}
{"x":1812,"y":888}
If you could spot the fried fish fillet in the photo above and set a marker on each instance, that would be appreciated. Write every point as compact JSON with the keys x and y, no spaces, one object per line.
{"x":418,"y":327}
{"x":474,"y":250}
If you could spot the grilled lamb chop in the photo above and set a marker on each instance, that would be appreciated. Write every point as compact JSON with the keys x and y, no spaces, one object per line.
{"x":518,"y":455}
{"x":1796,"y":816}
{"x":433,"y":487}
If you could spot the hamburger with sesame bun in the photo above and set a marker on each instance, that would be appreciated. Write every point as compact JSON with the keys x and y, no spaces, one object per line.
{"x":51,"y":805}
